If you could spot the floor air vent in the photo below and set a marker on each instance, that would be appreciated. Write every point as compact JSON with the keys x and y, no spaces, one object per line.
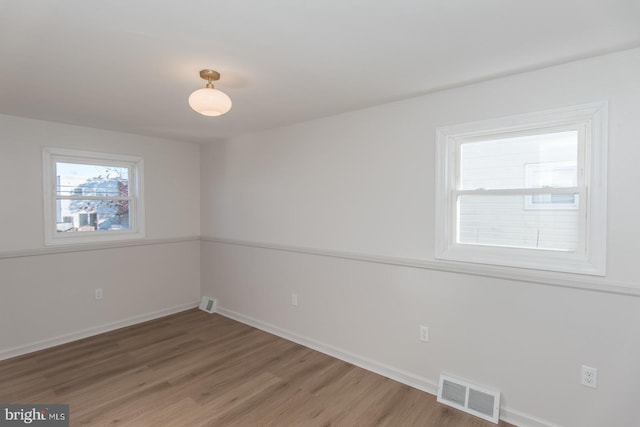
{"x":469,"y":398}
{"x":208,"y":304}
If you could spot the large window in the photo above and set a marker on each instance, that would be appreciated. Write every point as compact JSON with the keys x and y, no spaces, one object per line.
{"x":91,"y":197}
{"x":525,"y":191}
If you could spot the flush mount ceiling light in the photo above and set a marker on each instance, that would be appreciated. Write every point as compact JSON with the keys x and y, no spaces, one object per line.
{"x":209,"y":101}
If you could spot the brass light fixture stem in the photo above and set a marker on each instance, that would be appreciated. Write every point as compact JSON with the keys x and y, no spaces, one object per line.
{"x":209,"y":76}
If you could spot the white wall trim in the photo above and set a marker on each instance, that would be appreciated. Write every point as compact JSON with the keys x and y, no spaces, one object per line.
{"x":530,"y":276}
{"x":404,"y":377}
{"x":520,"y":419}
{"x":565,"y":280}
{"x":589,"y":122}
{"x":135,"y":165}
{"x":84,"y":333}
{"x":93,"y":247}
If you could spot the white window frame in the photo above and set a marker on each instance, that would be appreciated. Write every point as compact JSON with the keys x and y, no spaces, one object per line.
{"x":51,"y":155}
{"x":590,"y":257}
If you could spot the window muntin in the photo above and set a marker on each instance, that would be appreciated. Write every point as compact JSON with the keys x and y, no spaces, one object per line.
{"x":91,"y":197}
{"x":525,"y":191}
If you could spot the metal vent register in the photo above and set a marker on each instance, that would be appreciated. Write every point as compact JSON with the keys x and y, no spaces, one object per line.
{"x":475,"y":400}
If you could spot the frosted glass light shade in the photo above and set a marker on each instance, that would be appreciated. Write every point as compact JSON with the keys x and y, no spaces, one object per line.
{"x":210,"y":102}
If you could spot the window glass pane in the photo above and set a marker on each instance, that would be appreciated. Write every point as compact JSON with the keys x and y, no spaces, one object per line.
{"x":506,"y":221}
{"x":552,"y":201}
{"x":551,"y":175}
{"x":92,"y":215}
{"x":74,"y":179}
{"x":502,"y":163}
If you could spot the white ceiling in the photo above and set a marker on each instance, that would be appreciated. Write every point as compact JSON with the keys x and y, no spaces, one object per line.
{"x":130,"y":65}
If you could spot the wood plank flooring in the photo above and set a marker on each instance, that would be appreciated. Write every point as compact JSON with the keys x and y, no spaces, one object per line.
{"x":198,"y":369}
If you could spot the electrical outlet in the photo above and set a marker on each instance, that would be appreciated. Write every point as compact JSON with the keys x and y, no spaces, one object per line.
{"x":424,"y":333}
{"x":294,"y":299}
{"x":589,"y":376}
{"x":98,"y":293}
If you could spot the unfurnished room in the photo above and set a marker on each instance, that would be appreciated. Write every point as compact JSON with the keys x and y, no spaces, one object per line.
{"x":320,"y":213}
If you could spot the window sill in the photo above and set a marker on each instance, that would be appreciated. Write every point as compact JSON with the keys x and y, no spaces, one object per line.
{"x":546,"y":261}
{"x":93,"y":238}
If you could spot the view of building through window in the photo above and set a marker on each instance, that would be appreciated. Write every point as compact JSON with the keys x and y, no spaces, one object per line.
{"x":520,"y":192}
{"x":91,"y":197}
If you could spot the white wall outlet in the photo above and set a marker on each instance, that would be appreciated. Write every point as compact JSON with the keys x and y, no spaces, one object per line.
{"x":589,"y":376}
{"x":424,"y":333}
{"x":294,"y":299}
{"x":98,"y":293}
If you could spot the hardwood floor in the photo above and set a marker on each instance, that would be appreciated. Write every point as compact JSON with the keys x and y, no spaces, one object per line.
{"x":198,"y":369}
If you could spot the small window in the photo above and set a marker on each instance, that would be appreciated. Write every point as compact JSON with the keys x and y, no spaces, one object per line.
{"x":525,"y":191}
{"x":91,"y":197}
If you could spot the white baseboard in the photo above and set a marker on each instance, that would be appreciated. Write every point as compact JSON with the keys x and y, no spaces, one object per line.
{"x":511,"y":416}
{"x":520,"y":419}
{"x":74,"y":336}
{"x":404,"y":377}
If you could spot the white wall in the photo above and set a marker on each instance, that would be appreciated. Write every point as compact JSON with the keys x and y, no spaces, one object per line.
{"x":363,"y":182}
{"x":47,"y":296}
